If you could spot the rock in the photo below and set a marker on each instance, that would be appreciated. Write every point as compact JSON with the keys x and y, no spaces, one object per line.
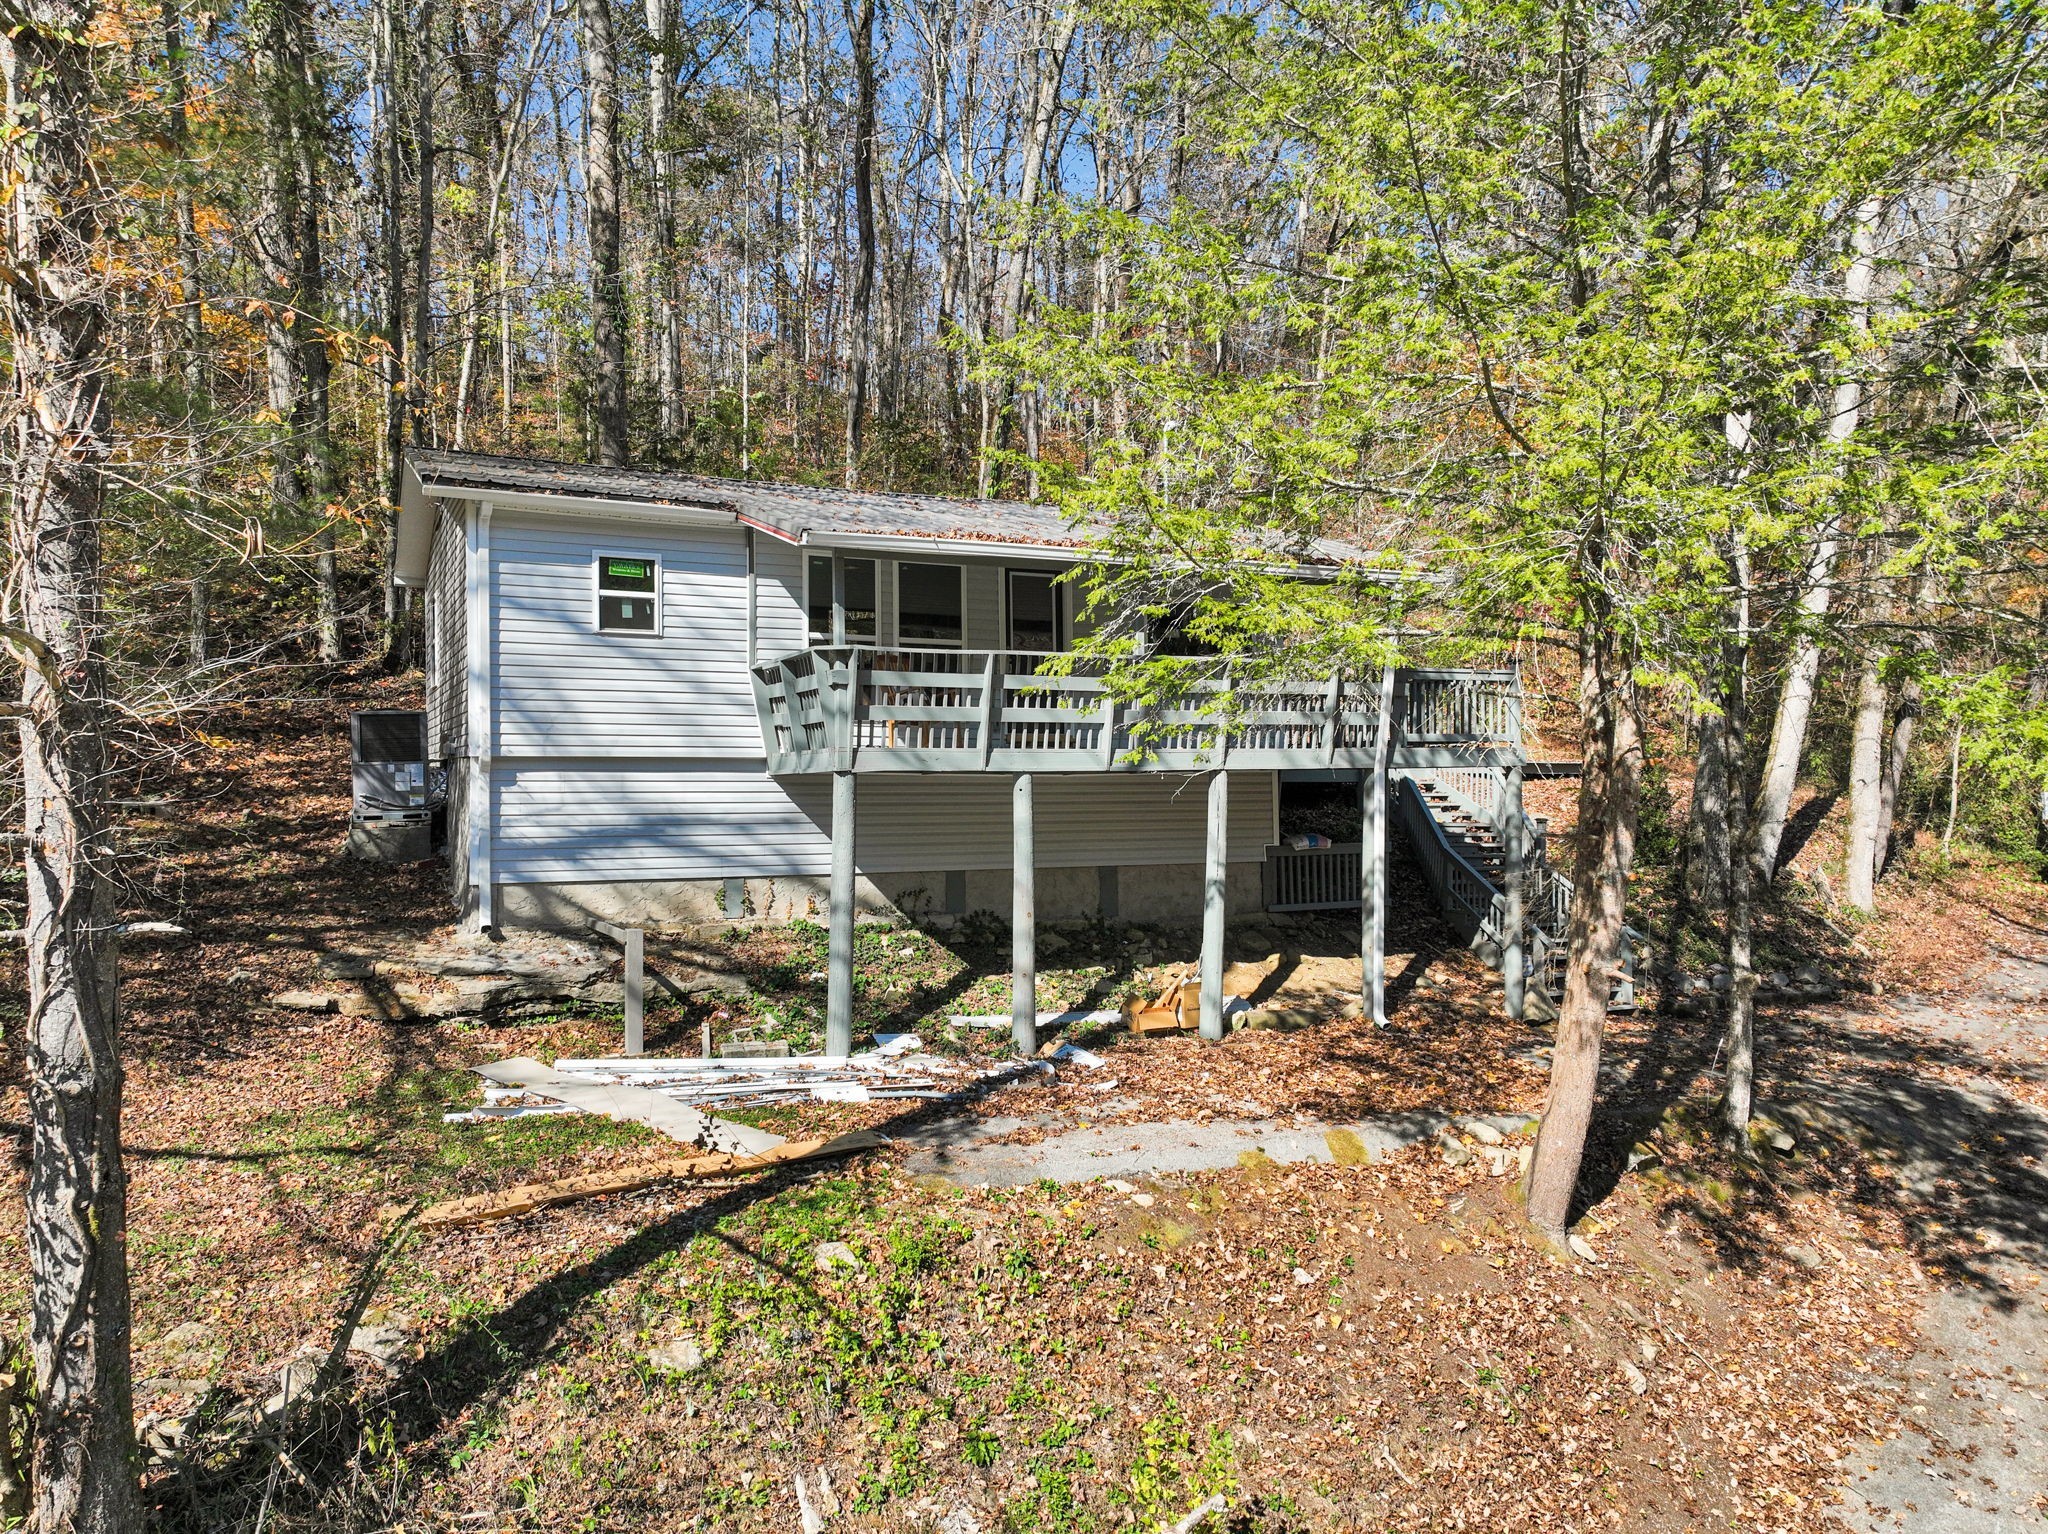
{"x":386,"y":1344}
{"x":1581,"y":1247}
{"x":837,"y":1254}
{"x":1637,"y":1381}
{"x":344,"y":966}
{"x":679,"y":1355}
{"x":1303,"y":1276}
{"x":1143,"y":1200}
{"x":1455,"y":1154}
{"x":1806,"y":1257}
{"x":1276,"y":1019}
{"x":1642,"y":1154}
{"x":307,"y":1001}
{"x":1811,"y":974}
{"x":1118,"y":1185}
{"x":1718,"y":981}
{"x":1483,"y":1132}
{"x":959,"y":1521}
{"x":295,"y":1381}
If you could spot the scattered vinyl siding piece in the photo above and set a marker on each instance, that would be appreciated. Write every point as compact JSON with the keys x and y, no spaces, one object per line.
{"x":635,"y":1105}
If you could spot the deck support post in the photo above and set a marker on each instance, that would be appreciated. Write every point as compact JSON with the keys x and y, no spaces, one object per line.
{"x":1514,"y":854}
{"x":1023,"y":920}
{"x":1372,"y":861}
{"x":632,"y":943}
{"x":839,"y":963}
{"x":1215,"y":906}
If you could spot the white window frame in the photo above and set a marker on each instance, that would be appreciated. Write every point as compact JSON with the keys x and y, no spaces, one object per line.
{"x":836,"y":634}
{"x":598,"y":592}
{"x":1062,"y":628}
{"x":932,"y":644}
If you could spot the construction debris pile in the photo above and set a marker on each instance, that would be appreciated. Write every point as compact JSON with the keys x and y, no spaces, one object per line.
{"x":664,"y":1094}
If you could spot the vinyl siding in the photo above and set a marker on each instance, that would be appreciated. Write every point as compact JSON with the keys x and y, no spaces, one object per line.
{"x":560,"y":688}
{"x":779,"y":625}
{"x":616,"y":821}
{"x":446,"y":631}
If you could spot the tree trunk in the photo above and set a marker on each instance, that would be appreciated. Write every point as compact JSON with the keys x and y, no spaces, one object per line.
{"x":1795,"y":702}
{"x":1608,"y":795}
{"x":316,"y":420}
{"x":197,"y":640}
{"x":420,"y":378}
{"x":1899,"y":760}
{"x":1050,"y":64}
{"x":189,"y":299}
{"x":668,"y":328}
{"x":1866,"y":752}
{"x":83,"y":1467}
{"x":1739,"y":1095}
{"x":860,"y":21}
{"x":391,"y":220}
{"x":607,"y":274}
{"x":1710,"y":830}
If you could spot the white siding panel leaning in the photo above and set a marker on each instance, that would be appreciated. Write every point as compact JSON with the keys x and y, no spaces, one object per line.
{"x":565,"y":690}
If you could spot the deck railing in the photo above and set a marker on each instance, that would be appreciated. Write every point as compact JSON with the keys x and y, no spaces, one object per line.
{"x":854,"y":708}
{"x":1311,"y":878}
{"x":857,"y":708}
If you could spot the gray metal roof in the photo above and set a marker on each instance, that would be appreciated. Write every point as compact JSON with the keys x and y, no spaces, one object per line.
{"x":798,"y":513}
{"x":793,"y":511}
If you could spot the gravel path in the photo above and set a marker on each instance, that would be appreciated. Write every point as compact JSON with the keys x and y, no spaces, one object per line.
{"x":975,"y":1152}
{"x":1972,"y":1167}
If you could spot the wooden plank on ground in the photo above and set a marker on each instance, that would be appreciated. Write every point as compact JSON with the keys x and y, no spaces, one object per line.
{"x":482,"y":1208}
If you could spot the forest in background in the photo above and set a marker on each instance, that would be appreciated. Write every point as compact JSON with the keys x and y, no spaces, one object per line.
{"x":735,"y":239}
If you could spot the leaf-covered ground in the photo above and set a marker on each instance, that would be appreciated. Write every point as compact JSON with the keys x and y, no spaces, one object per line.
{"x":1349,"y":1346}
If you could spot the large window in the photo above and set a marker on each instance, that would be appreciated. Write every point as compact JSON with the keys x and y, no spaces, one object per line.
{"x":928,"y":605}
{"x":859,"y":575}
{"x":628,"y":594}
{"x":1034,"y":611}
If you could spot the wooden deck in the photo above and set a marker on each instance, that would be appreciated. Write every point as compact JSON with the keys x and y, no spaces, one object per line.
{"x":861,"y":709}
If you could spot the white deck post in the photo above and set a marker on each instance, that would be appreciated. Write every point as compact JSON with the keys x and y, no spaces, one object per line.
{"x":1514,"y":855}
{"x":1215,"y":906}
{"x":1023,"y":921}
{"x":1372,"y":860}
{"x":839,"y":963}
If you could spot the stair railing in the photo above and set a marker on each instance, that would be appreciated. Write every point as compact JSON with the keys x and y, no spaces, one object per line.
{"x":1473,"y":902}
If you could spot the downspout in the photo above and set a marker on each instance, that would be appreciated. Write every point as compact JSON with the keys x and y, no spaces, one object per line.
{"x":477,"y":650}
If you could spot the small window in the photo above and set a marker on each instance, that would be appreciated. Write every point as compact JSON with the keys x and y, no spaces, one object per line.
{"x":859,"y":575}
{"x":928,"y":605}
{"x":628,"y":594}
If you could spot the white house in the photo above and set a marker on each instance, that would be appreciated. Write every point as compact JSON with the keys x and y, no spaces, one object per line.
{"x":662,"y":697}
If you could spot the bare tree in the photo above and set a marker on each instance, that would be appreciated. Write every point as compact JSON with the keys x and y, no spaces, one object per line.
{"x":607,"y":273}
{"x":83,"y":1478}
